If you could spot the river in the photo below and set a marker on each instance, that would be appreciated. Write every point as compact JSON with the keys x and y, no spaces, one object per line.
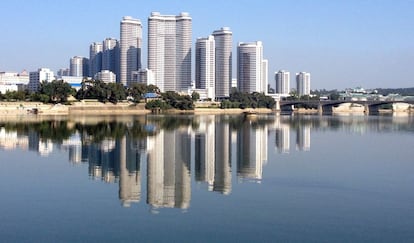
{"x":207,"y":178}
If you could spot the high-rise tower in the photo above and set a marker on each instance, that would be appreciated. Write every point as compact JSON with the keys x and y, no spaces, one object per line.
{"x":110,"y":56}
{"x":224,"y":43}
{"x":205,"y":65}
{"x":303,"y":83}
{"x":282,"y":79}
{"x":169,"y":50}
{"x":251,"y":68}
{"x":79,"y":66}
{"x":130,"y":48}
{"x":95,"y":58}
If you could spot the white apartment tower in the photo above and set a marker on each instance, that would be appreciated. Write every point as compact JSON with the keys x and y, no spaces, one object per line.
{"x":205,"y":65}
{"x":303,"y":83}
{"x":95,"y":58}
{"x":110,"y":56}
{"x":251,"y":68}
{"x":35,"y":78}
{"x":169,"y":50}
{"x":224,"y":44}
{"x":130,"y":49}
{"x":79,"y":66}
{"x":282,"y":79}
{"x":265,"y":76}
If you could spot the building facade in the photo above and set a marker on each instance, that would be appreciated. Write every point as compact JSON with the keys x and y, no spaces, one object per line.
{"x":169,"y":50}
{"x":205,"y":65}
{"x":130,"y":49}
{"x":106,"y":76}
{"x":145,"y":76}
{"x":95,"y":58}
{"x":282,"y":79}
{"x":251,"y":68}
{"x":79,"y":66}
{"x":303,"y":83}
{"x":223,"y":67}
{"x":36,"y":77}
{"x":110,"y":56}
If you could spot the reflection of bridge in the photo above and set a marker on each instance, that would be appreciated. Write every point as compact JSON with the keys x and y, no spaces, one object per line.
{"x":325,"y":106}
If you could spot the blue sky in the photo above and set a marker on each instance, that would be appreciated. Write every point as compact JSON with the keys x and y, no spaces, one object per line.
{"x":368,"y":43}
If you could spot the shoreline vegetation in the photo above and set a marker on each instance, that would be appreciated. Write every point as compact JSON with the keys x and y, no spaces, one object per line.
{"x":129,"y":108}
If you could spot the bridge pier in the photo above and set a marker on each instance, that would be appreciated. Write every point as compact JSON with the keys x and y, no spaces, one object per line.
{"x":320,"y":109}
{"x":277,"y":105}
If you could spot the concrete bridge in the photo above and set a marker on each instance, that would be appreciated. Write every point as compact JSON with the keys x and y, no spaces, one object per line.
{"x":325,"y":106}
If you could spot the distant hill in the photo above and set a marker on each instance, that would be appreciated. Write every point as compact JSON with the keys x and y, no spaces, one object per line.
{"x":401,"y":91}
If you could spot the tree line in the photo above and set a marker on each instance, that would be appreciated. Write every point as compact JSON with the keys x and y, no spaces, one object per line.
{"x":58,"y":91}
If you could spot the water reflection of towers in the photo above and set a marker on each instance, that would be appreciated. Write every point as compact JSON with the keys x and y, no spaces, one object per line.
{"x":119,"y":161}
{"x":212,"y":154}
{"x":168,"y":169}
{"x":282,"y":136}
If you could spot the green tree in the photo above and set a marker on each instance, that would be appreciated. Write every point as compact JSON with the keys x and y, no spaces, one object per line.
{"x":195,"y":96}
{"x":136,"y":91}
{"x":58,"y":91}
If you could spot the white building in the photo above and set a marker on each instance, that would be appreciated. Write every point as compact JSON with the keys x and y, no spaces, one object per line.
{"x":251,"y":68}
{"x":106,"y":76}
{"x":224,"y":44}
{"x":303,"y":83}
{"x":265,"y":76}
{"x":95,"y":58}
{"x":12,"y":81}
{"x":79,"y":66}
{"x":36,"y":77}
{"x":130,"y":49}
{"x":74,"y":81}
{"x":110,"y":56}
{"x":282,"y":79}
{"x":169,"y":50}
{"x":14,"y":78}
{"x":144,"y":75}
{"x":205,"y":65}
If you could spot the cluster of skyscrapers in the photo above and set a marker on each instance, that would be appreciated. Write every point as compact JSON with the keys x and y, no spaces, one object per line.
{"x":169,"y":61}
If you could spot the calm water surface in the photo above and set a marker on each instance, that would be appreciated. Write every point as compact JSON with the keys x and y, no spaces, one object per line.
{"x":207,"y":179}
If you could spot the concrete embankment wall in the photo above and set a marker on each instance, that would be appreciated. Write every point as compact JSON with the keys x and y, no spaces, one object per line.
{"x":23,"y":108}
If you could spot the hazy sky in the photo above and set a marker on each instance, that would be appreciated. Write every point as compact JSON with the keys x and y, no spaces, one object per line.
{"x":368,"y":43}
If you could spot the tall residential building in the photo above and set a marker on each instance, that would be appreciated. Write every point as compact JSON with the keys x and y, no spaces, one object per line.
{"x":110,"y":56}
{"x":79,"y":66}
{"x":144,"y":75}
{"x":265,"y":76}
{"x":130,"y":49}
{"x":282,"y":79}
{"x":95,"y":58}
{"x":303,"y":83}
{"x":251,"y":68}
{"x":205,"y":65}
{"x":35,"y":78}
{"x":63,"y":72}
{"x":224,"y":57}
{"x":169,"y":50}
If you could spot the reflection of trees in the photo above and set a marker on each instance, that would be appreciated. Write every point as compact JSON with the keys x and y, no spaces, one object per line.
{"x":56,"y":131}
{"x":173,"y":122}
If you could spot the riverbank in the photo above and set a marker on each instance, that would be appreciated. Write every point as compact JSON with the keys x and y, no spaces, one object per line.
{"x":94,"y":108}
